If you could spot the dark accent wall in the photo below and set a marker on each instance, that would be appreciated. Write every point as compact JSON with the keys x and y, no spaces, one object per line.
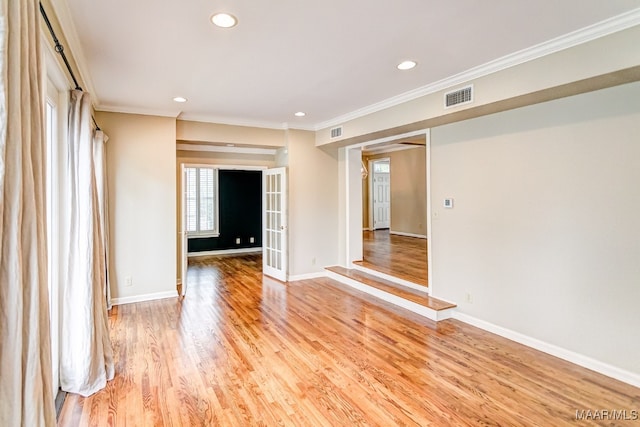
{"x":240,"y":211}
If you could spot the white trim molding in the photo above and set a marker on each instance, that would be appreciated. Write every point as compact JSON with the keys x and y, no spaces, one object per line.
{"x":562,"y":353}
{"x":225,"y":252}
{"x":233,"y":121}
{"x":225,"y":149}
{"x":402,"y":233}
{"x":306,"y":276}
{"x":137,"y":110}
{"x":144,"y":297}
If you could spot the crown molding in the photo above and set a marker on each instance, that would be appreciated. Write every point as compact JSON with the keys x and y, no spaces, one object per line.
{"x":232,"y":121}
{"x":63,"y":14}
{"x":237,"y":121}
{"x":135,"y":110}
{"x":225,"y":149}
{"x":601,"y":29}
{"x":296,"y":126}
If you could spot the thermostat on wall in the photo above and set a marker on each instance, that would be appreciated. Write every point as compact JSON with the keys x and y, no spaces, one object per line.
{"x":448,"y":203}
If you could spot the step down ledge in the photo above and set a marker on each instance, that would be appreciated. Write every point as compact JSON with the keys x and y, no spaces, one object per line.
{"x":390,"y":278}
{"x":421,"y":310}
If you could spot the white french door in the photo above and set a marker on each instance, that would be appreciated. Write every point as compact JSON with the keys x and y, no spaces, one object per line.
{"x":274,"y":223}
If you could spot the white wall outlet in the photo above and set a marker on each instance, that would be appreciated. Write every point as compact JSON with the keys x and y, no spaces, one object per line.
{"x":252,"y":240}
{"x":468,"y":298}
{"x":128,"y":281}
{"x":313,"y":261}
{"x":237,"y":240}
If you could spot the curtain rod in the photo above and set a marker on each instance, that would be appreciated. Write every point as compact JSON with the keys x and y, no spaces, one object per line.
{"x":60,"y":49}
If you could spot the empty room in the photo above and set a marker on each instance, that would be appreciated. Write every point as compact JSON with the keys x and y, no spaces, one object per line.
{"x":319,"y":214}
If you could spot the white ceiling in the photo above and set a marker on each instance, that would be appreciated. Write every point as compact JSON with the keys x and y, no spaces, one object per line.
{"x":327,"y":58}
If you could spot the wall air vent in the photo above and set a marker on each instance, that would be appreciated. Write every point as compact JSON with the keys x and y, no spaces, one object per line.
{"x":458,"y":97}
{"x":336,"y":132}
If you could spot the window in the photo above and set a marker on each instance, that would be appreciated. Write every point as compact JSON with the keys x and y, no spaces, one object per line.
{"x":201,"y":186}
{"x":381,"y":167}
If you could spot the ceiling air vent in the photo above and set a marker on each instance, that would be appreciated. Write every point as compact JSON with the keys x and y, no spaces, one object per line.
{"x":336,"y":132}
{"x":458,"y":96}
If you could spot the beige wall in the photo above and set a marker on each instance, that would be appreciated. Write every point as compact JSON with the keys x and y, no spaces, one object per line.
{"x":221,"y":133}
{"x":408,"y":191}
{"x":544,"y":231}
{"x":313,"y":205}
{"x":141,"y":158}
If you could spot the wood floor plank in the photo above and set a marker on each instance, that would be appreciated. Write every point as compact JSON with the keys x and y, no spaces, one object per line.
{"x":399,"y":256}
{"x":243,"y":350}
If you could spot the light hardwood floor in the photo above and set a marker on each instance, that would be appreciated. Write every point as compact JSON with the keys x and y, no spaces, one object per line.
{"x":243,"y":350}
{"x":399,"y":256}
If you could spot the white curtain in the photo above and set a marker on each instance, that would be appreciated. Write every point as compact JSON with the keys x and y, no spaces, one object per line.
{"x":100,"y":162}
{"x":26,"y":396}
{"x":86,"y":356}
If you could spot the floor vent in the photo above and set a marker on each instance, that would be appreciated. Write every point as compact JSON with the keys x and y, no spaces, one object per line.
{"x":458,"y":97}
{"x":336,"y":132}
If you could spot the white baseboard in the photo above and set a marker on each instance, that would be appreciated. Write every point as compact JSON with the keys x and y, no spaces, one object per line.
{"x":402,"y":233}
{"x":144,"y":297}
{"x":224,"y":252}
{"x":307,"y":276}
{"x":562,"y":353}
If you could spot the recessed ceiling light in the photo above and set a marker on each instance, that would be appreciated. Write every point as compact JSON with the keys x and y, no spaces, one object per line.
{"x":180,"y":99}
{"x":300,"y":114}
{"x":224,"y":20}
{"x":406,"y":65}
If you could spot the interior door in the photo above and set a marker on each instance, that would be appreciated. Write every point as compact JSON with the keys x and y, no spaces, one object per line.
{"x":274,"y":223}
{"x":381,"y":195}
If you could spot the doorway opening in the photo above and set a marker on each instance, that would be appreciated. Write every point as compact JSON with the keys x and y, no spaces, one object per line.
{"x":231,"y":211}
{"x":395,"y":207}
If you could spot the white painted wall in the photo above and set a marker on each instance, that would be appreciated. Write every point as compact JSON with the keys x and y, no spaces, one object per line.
{"x":545,"y":230}
{"x":354,"y":212}
{"x":313,"y":205}
{"x":141,"y":162}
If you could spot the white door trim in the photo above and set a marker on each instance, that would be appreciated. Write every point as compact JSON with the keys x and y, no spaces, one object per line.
{"x":372,"y":206}
{"x":352,"y":206}
{"x":184,"y":246}
{"x":429,"y":217}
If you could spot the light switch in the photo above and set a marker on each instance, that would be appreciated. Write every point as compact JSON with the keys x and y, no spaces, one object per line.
{"x":448,"y":203}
